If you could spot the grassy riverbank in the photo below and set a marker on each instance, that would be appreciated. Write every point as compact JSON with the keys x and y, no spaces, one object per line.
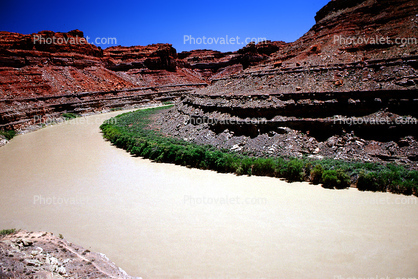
{"x":131,"y":132}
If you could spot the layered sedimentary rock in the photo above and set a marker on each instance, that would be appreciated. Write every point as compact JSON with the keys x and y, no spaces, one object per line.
{"x":347,"y":89}
{"x":214,"y":64}
{"x":50,"y":73}
{"x":358,"y":64}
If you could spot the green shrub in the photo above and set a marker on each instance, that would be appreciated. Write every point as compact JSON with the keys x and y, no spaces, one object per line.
{"x":281,"y":167}
{"x":316,"y":174}
{"x":335,"y":179}
{"x":366,"y":181}
{"x":295,"y":170}
{"x":69,"y":115}
{"x":7,"y":231}
{"x":223,"y":163}
{"x":231,"y":163}
{"x":263,"y":166}
{"x":246,"y":165}
{"x":344,"y":180}
{"x":371,"y":181}
{"x":329,"y":178}
{"x":8,"y":134}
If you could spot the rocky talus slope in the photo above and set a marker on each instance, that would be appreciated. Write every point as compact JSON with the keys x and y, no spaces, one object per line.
{"x":42,"y":255}
{"x":333,"y":93}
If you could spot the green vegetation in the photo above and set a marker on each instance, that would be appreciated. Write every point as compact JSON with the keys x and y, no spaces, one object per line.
{"x":116,"y":109}
{"x":7,"y":231}
{"x":8,"y":134}
{"x":335,"y":178}
{"x":69,"y":115}
{"x":130,"y":131}
{"x":316,"y":174}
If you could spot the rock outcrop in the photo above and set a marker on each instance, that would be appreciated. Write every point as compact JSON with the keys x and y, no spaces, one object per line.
{"x":347,"y":89}
{"x":43,"y":255}
{"x":49,"y":73}
{"x":214,"y":64}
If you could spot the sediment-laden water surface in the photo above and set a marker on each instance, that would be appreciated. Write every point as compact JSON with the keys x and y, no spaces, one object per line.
{"x":166,"y":221}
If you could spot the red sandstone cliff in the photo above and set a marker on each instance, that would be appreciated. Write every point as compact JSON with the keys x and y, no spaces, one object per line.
{"x":356,"y":30}
{"x":48,"y":72}
{"x":358,"y":62}
{"x":59,"y":76}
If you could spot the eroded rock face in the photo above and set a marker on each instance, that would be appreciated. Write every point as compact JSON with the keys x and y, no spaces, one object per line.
{"x":42,"y":255}
{"x":49,"y":73}
{"x":214,"y":64}
{"x":354,"y":62}
{"x":333,"y":93}
{"x":336,"y":137}
{"x":152,"y":57}
{"x":32,"y":66}
{"x":349,"y":31}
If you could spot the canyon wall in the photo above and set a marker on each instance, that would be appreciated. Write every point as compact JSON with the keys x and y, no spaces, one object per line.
{"x":360,"y":60}
{"x":347,"y":89}
{"x":49,"y":73}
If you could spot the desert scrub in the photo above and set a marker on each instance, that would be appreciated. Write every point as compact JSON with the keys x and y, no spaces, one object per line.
{"x":131,"y":132}
{"x":293,"y":170}
{"x":7,"y":231}
{"x":335,"y":179}
{"x":316,"y":174}
{"x":393,"y":178}
{"x":116,"y":109}
{"x":8,"y":134}
{"x":69,"y":115}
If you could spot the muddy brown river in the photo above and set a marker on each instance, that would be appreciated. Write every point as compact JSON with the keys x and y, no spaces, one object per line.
{"x":166,"y":221}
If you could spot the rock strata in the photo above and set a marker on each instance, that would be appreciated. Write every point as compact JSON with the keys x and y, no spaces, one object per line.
{"x":347,"y":88}
{"x":332,"y":93}
{"x":39,"y":78}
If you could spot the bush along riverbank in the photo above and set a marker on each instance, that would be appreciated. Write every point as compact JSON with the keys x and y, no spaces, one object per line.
{"x":8,"y":134}
{"x":131,"y":131}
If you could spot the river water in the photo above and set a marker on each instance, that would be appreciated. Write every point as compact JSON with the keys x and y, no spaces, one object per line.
{"x":166,"y":221}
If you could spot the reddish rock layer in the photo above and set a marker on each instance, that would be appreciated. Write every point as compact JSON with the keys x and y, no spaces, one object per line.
{"x":320,"y":61}
{"x":346,"y":32}
{"x":35,"y":69}
{"x":336,"y":70}
{"x":32,"y":66}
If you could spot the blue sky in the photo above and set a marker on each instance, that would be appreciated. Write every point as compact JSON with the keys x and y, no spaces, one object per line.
{"x":147,"y":22}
